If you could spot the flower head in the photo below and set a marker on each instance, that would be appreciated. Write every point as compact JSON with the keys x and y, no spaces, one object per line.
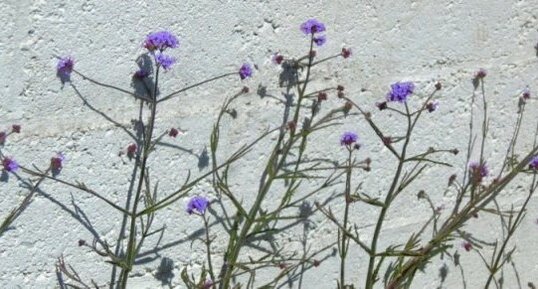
{"x":131,"y":150}
{"x":64,"y":68}
{"x":481,"y":73}
{"x":526,"y":93}
{"x":534,"y":163}
{"x":165,"y":61}
{"x":197,"y":205}
{"x":348,"y":138}
{"x":381,"y":105}
{"x":16,"y":128}
{"x":10,"y":165}
{"x":160,"y":41}
{"x":478,"y":171}
{"x":399,"y":91}
{"x":320,"y":40}
{"x":173,"y":132}
{"x":432,"y":106}
{"x":312,"y":26}
{"x":346,"y":52}
{"x":56,"y":162}
{"x":208,"y":284}
{"x":467,"y":246}
{"x":245,"y":71}
{"x":277,"y":58}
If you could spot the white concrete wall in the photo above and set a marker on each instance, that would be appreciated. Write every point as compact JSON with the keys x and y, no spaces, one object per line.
{"x":423,"y":41}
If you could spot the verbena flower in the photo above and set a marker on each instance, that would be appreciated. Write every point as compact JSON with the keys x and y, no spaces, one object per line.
{"x":173,"y":132}
{"x":165,"y":61}
{"x":481,"y":73}
{"x":348,"y":138}
{"x":526,"y":93}
{"x":16,"y":128}
{"x":346,"y":52}
{"x":208,"y":284}
{"x":160,"y":40}
{"x":320,"y":40}
{"x":432,"y":106}
{"x":277,"y":58}
{"x":10,"y":165}
{"x":245,"y":71}
{"x":56,"y":162}
{"x":400,"y":91}
{"x":197,"y":204}
{"x":312,"y":26}
{"x":381,"y":105}
{"x":131,"y":150}
{"x":478,"y":171}
{"x":64,"y":68}
{"x":467,"y":246}
{"x":534,"y":163}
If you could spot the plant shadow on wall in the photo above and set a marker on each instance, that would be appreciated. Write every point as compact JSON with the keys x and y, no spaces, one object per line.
{"x":294,"y":185}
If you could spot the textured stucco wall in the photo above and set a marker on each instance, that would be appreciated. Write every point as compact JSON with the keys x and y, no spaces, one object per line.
{"x":420,"y":40}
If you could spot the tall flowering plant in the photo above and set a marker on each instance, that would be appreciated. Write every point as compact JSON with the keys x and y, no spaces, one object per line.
{"x":293,"y":177}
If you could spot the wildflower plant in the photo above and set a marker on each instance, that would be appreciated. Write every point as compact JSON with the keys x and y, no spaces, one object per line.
{"x":292,"y":178}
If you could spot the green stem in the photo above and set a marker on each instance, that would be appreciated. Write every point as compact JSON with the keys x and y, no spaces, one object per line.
{"x":271,"y":170}
{"x":520,"y":215}
{"x":347,"y":199}
{"x":370,"y":278}
{"x":208,"y":249}
{"x":131,"y":245}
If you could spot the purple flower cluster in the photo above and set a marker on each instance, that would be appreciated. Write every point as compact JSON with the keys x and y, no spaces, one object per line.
{"x":165,"y":61}
{"x":16,"y":128}
{"x":400,"y":91}
{"x":478,"y":171}
{"x":346,"y":52}
{"x":534,"y":163}
{"x":432,"y":106}
{"x":320,"y":40}
{"x":56,"y":162}
{"x":64,"y":68}
{"x":526,"y":93}
{"x":160,"y":40}
{"x":245,"y":71}
{"x":348,"y":138}
{"x":313,"y":26}
{"x":197,"y":205}
{"x":131,"y":150}
{"x":10,"y":165}
{"x":481,"y":73}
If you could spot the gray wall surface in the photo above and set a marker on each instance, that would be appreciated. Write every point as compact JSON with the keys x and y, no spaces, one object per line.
{"x":423,"y":41}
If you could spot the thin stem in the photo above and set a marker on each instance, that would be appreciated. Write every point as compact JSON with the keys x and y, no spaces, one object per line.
{"x":511,"y":231}
{"x":370,"y":278}
{"x":131,"y":246}
{"x":208,"y":248}
{"x":457,"y":220}
{"x":193,"y":86}
{"x":268,"y":177}
{"x":347,"y":200}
